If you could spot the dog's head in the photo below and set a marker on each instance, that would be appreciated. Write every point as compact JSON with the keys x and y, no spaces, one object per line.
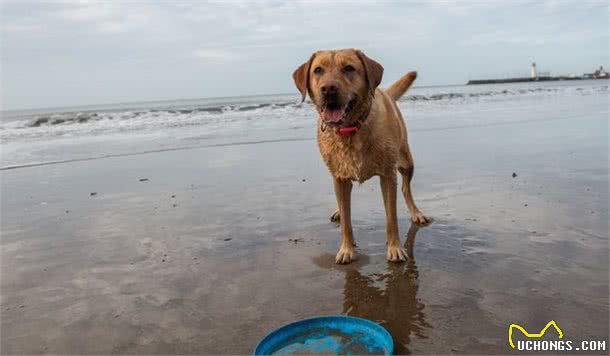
{"x":340,"y":83}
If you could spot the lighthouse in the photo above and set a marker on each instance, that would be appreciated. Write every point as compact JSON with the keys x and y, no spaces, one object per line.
{"x":534,"y":74}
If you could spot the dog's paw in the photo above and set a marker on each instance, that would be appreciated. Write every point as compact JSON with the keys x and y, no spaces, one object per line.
{"x":420,"y":219}
{"x":345,"y":255}
{"x":396,"y":253}
{"x":335,"y":217}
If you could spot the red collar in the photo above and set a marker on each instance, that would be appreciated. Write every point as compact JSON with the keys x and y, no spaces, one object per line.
{"x":344,"y":131}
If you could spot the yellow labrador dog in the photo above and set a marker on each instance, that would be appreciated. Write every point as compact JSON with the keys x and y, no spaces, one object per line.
{"x":361,"y":133}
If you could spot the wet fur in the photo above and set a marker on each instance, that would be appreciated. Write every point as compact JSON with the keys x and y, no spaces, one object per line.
{"x":378,"y":148}
{"x":371,"y":151}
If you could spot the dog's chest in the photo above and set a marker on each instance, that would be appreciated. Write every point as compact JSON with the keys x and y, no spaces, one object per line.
{"x":351,"y":157}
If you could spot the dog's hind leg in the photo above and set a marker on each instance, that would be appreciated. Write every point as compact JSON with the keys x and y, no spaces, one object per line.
{"x":406,"y":169}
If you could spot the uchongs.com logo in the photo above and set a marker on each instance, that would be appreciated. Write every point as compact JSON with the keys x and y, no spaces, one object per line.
{"x":533,"y":341}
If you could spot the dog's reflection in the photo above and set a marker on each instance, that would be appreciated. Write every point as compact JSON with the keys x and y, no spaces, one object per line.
{"x":389,"y":298}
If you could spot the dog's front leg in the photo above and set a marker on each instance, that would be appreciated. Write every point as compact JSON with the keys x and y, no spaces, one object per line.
{"x":396,"y":253}
{"x":343,"y":192}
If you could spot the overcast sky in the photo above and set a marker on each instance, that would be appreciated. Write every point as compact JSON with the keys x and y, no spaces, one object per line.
{"x":91,"y":52}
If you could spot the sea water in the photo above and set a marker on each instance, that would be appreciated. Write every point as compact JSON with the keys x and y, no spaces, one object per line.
{"x":48,"y":136}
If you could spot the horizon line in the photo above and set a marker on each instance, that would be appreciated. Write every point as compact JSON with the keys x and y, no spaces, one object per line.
{"x":296,"y":94}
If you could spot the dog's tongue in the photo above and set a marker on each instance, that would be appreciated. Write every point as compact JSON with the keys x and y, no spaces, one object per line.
{"x":333,"y":115}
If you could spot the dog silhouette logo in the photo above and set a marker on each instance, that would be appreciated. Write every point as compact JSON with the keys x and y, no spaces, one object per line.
{"x":532,"y":335}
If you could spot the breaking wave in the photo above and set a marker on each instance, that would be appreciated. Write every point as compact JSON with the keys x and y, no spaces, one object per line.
{"x":505,"y":92}
{"x":267,"y":111}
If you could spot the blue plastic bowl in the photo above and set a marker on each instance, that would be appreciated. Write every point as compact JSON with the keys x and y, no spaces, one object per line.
{"x":332,"y":334}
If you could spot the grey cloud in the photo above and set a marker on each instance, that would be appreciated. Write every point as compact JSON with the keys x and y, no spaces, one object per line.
{"x":79,"y":52}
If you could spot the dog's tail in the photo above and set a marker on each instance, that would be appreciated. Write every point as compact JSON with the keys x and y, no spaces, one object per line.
{"x":396,"y":90}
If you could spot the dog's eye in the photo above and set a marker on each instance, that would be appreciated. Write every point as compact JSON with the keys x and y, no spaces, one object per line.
{"x":318,"y":70}
{"x":348,"y":68}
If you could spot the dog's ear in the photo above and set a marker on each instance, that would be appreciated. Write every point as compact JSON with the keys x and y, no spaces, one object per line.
{"x":301,"y":77}
{"x":373,"y":70}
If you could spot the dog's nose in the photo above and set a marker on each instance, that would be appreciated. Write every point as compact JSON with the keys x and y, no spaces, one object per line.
{"x":329,"y":89}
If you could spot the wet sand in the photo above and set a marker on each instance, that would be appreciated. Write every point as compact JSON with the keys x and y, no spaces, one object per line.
{"x":222,"y":244}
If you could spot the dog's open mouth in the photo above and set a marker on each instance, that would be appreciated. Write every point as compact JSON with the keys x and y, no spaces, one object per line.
{"x":333,"y":113}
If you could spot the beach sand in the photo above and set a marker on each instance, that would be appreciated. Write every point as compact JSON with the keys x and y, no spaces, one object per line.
{"x":205,"y":250}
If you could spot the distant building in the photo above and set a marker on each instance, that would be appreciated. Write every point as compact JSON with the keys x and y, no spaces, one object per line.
{"x":534,"y":74}
{"x":600,"y":73}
